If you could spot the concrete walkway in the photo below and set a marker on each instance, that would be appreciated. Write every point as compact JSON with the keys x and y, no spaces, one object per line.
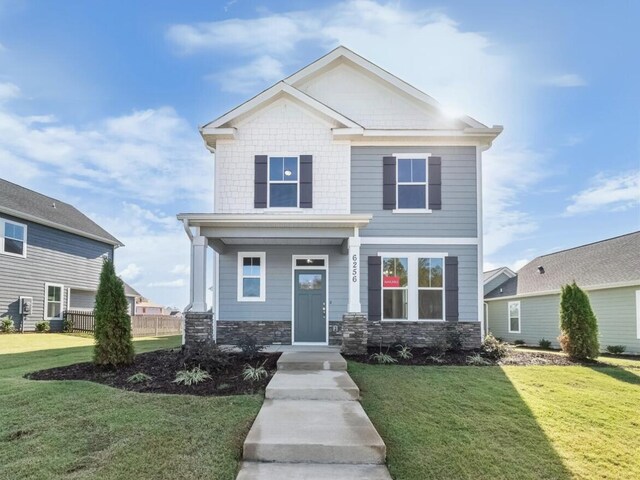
{"x":311,"y":425}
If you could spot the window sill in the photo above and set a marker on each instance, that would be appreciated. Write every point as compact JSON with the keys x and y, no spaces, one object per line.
{"x":411,"y":321}
{"x":9,"y":254}
{"x":282,"y":209}
{"x":411,"y":210}
{"x":250,"y":299}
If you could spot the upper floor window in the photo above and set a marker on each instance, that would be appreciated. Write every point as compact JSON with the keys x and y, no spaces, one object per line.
{"x":283,"y":182}
{"x":13,"y":238}
{"x":412,"y":183}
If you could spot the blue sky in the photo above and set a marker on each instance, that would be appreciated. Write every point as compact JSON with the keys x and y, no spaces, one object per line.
{"x":100,"y":103}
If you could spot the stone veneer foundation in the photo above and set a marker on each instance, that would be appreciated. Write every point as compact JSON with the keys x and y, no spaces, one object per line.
{"x":265,"y":333}
{"x":198,"y":327}
{"x":423,"y":334}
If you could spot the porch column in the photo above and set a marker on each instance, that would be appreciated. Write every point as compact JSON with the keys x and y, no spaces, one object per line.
{"x":354,"y":275}
{"x":199,"y":274}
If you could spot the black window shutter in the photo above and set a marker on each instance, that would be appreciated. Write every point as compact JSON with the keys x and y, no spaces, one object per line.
{"x":451,"y":288}
{"x":389,"y":183}
{"x":260,"y":182}
{"x":306,"y":181}
{"x":374,"y":286}
{"x":435,"y":183}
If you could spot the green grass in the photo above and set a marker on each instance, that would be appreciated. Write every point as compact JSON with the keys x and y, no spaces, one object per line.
{"x":77,"y":430}
{"x":504,"y":423}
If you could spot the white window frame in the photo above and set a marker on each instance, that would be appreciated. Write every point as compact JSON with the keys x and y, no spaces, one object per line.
{"x":412,"y":156}
{"x":263,"y":276}
{"x":413,"y":307}
{"x":4,"y":221}
{"x":46,"y":301}
{"x":282,"y":182}
{"x":519,"y":316}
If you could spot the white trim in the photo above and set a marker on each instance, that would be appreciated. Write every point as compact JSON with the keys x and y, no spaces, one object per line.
{"x":57,"y":226}
{"x":480,"y":234}
{"x":638,"y":314}
{"x":632,"y":283}
{"x":411,"y":210}
{"x":46,"y":300}
{"x":263,"y":276}
{"x":283,"y":182}
{"x":4,"y":221}
{"x":419,"y":240}
{"x":506,"y":270}
{"x":266,"y":219}
{"x":509,"y":317}
{"x":293,"y":295}
{"x":413,"y":307}
{"x":413,"y":156}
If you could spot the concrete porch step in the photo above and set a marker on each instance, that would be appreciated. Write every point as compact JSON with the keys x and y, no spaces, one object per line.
{"x":312,"y":385}
{"x":313,"y":431}
{"x":311,"y":471}
{"x":311,"y":361}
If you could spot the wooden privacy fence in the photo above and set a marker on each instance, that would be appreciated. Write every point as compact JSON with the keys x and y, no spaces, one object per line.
{"x":141,"y":325}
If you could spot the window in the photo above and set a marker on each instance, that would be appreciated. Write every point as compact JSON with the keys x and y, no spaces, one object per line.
{"x":412,"y":183}
{"x":309,"y":262}
{"x":283,"y":182}
{"x":251,"y":276}
{"x":514,"y":317}
{"x":53,"y":301}
{"x":13,"y":238}
{"x":413,"y":287}
{"x":638,"y":314}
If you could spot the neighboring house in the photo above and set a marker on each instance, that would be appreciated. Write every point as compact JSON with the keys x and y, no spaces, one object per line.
{"x":139,"y":305}
{"x":527,"y":305}
{"x":132,"y":297}
{"x":50,"y":253}
{"x":341,"y":192}
{"x":149,"y":308}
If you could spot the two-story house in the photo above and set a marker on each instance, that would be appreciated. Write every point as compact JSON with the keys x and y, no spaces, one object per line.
{"x":50,"y":257}
{"x":341,"y":193}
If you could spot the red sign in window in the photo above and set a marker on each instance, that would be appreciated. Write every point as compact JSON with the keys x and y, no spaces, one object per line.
{"x":391,"y":282}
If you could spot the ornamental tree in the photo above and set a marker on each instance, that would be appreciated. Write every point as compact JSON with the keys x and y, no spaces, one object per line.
{"x":578,"y":324}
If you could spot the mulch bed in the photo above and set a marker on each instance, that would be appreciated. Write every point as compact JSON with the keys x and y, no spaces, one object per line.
{"x":162,"y":366}
{"x":426,"y":356}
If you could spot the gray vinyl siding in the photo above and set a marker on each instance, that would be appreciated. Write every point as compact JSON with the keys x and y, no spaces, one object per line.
{"x":467,"y":273}
{"x":53,"y":256}
{"x":494,"y":283}
{"x":458,"y":217}
{"x":615,"y":310}
{"x":277,"y":305}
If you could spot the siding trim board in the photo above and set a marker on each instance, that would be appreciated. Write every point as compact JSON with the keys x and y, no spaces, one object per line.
{"x":556,"y":292}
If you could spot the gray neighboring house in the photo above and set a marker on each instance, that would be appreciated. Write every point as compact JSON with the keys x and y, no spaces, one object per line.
{"x":347,"y":206}
{"x":526,"y":306}
{"x":49,"y":252}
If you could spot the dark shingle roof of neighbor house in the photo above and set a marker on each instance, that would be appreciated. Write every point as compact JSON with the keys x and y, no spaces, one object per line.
{"x":129,"y":291}
{"x":26,"y":204}
{"x":608,"y":262}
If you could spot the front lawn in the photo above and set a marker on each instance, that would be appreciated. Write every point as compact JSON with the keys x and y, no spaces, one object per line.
{"x":538,"y":422}
{"x":73,"y":429}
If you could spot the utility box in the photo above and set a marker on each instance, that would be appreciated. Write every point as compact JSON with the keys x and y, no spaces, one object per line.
{"x":26,"y":304}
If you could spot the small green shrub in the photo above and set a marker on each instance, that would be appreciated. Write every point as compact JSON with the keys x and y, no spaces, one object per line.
{"x":493,"y":348}
{"x":519,"y":343}
{"x":43,"y":327}
{"x":544,"y":343}
{"x":250,"y":347}
{"x":207,"y":355}
{"x":383,"y":358}
{"x":477,"y":360}
{"x":616,"y":349}
{"x":254,"y":374}
{"x":454,"y":341}
{"x":7,"y":325}
{"x":578,"y":324}
{"x":139,"y":378}
{"x":67,"y":324}
{"x":404,"y":352}
{"x":191,"y":377}
{"x":439,"y":358}
{"x":439,"y":348}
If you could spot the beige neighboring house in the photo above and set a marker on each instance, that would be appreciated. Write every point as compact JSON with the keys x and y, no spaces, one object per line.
{"x":139,"y":305}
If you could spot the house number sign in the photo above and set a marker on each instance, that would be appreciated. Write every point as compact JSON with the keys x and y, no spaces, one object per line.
{"x":354,"y":268}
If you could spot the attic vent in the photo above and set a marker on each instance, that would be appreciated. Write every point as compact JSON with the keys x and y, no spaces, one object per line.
{"x":53,"y":204}
{"x":540,"y":269}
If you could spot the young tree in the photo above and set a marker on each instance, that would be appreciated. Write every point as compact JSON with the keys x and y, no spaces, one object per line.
{"x":578,"y":324}
{"x":113,"y":324}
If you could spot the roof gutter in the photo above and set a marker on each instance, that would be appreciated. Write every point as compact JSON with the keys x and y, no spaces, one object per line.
{"x":604,"y":286}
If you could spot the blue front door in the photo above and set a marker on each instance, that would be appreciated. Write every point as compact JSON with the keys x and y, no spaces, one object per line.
{"x":310,"y":324}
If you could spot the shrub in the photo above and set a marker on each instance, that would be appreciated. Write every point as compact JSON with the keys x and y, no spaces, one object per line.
{"x":254,"y":374}
{"x":439,"y":358}
{"x":477,"y":360}
{"x":493,"y":348}
{"x":439,"y":348}
{"x":383,"y":358}
{"x":207,"y":355}
{"x":578,"y":324}
{"x":191,"y":377}
{"x":404,"y":352}
{"x":250,"y":347}
{"x":139,"y":378}
{"x":112,"y":322}
{"x":67,"y":324}
{"x":7,"y":325}
{"x":519,"y":343}
{"x":42,"y":327}
{"x":544,"y":343}
{"x":454,"y":341}
{"x":616,"y":349}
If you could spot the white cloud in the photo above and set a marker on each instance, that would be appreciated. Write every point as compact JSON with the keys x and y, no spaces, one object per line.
{"x":8,"y":91}
{"x":565,"y":80}
{"x":170,"y":284}
{"x":180,"y":269}
{"x":130,"y":273}
{"x":250,"y":77}
{"x":617,"y":192}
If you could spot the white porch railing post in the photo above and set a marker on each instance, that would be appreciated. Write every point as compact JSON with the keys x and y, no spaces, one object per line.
{"x":354,"y":275}
{"x":199,"y":274}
